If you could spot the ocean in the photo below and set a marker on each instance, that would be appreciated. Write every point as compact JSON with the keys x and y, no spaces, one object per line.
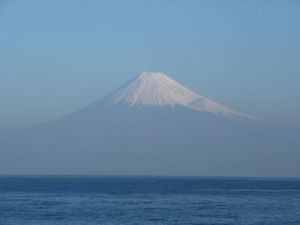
{"x":113,"y":200}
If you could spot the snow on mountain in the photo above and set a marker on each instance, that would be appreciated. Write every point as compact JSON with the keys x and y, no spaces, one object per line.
{"x":157,"y":89}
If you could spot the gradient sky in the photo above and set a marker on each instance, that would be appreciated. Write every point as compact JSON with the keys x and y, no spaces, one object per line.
{"x":57,"y":56}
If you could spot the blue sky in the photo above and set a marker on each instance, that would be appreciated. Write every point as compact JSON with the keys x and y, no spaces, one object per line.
{"x":57,"y":56}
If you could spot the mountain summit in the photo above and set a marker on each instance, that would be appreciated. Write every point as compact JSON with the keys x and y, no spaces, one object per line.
{"x":158,"y":89}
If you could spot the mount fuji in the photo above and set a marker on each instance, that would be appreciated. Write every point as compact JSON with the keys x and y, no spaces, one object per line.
{"x":153,"y":125}
{"x":159,"y":90}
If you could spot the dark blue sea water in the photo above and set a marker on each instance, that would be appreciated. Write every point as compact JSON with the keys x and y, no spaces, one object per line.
{"x":148,"y":201}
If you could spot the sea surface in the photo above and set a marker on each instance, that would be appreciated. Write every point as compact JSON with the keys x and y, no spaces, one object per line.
{"x":91,"y":200}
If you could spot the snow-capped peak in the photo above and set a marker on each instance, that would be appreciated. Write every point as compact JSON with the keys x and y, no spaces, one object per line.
{"x":154,"y":89}
{"x":157,"y":89}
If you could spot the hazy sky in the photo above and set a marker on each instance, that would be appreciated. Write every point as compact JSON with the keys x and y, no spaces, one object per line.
{"x":57,"y":56}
